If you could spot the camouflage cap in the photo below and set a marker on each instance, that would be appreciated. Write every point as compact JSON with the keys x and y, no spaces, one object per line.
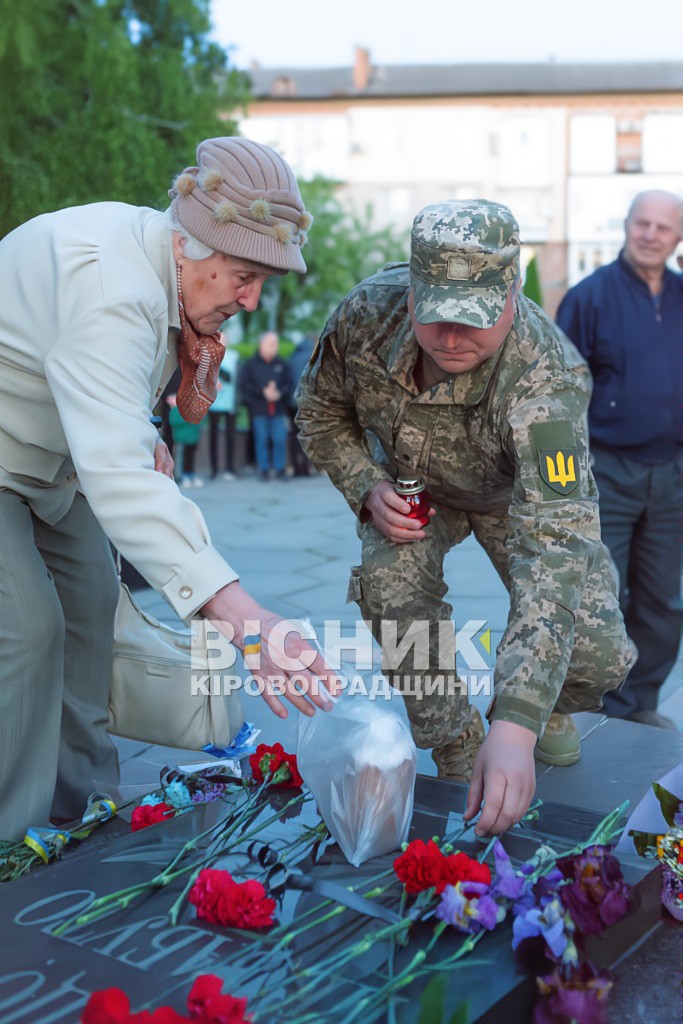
{"x":464,"y":259}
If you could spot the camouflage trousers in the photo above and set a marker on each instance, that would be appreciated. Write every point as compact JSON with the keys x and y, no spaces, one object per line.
{"x":402,"y":585}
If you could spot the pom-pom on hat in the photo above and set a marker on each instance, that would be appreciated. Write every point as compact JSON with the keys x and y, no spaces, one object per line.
{"x":242,"y":199}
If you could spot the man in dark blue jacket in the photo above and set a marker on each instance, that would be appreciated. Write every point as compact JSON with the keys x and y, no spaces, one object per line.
{"x":265,"y":383}
{"x":626,"y":319}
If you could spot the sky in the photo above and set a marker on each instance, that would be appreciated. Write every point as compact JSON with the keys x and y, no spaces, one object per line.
{"x":320,"y":33}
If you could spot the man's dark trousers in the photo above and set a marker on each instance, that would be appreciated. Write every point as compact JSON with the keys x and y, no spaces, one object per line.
{"x":640,"y":515}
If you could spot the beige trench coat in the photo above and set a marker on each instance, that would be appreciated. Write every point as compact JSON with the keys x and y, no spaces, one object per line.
{"x":88,"y":324}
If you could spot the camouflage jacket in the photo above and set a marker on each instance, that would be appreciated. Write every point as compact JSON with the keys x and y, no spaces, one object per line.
{"x":507,"y":438}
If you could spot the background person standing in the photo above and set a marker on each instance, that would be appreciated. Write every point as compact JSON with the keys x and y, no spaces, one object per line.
{"x":186,"y":438}
{"x":266,"y":384}
{"x":223,"y":408}
{"x":626,"y":319}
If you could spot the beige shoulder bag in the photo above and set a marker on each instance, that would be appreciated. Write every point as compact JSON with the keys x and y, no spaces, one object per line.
{"x":154,"y":671}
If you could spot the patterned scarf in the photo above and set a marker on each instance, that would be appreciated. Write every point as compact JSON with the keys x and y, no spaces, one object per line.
{"x":199,"y":357}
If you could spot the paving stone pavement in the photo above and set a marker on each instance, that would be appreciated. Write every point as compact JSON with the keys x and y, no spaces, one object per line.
{"x":293,"y":543}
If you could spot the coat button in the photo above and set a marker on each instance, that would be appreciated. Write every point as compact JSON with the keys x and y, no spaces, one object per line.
{"x":185,"y":591}
{"x":71,"y":476}
{"x":612,"y":405}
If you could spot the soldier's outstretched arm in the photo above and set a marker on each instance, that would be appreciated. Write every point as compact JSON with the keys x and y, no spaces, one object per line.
{"x":503,"y":778}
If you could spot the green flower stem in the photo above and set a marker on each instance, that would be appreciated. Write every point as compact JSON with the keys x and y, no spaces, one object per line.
{"x":609,"y":828}
{"x":489,"y":846}
{"x":334,"y":912}
{"x":391,"y":1007}
{"x":415,"y":969}
{"x":466,"y":947}
{"x":405,"y":977}
{"x":359,"y":949}
{"x":332,"y":963}
{"x":174,"y":912}
{"x":269,"y":821}
{"x":602,"y":835}
{"x":284,"y":937}
{"x":123,"y":897}
{"x":264,"y":960}
{"x":346,"y":955}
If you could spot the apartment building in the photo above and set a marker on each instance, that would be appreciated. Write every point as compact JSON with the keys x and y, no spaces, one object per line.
{"x":565,"y":146}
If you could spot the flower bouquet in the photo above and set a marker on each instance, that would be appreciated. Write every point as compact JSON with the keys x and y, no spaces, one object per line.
{"x":667,"y":847}
{"x":419,"y":919}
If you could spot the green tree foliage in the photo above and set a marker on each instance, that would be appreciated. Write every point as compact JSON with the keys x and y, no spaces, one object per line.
{"x":532,"y":283}
{"x":343,"y":249}
{"x":105,"y":99}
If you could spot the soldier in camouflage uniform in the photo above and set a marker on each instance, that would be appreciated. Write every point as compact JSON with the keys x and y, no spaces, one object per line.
{"x":455,"y":377}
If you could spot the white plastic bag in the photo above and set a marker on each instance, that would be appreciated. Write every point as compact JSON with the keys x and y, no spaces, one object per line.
{"x":359,"y":761}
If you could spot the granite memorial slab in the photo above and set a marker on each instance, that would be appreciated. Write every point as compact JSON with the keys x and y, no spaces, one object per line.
{"x":47,"y":978}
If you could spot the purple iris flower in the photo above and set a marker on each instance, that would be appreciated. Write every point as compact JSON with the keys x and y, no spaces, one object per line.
{"x":469,"y":907}
{"x":548,"y":921}
{"x":596,"y":894}
{"x":507,"y":882}
{"x":576,"y":995}
{"x":540,"y":893}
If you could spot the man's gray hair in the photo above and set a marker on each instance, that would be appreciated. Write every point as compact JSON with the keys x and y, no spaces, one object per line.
{"x":193,"y":248}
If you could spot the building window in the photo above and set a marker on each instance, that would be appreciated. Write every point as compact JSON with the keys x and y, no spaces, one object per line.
{"x":524,"y":148}
{"x":629,"y":146}
{"x":592,"y":144}
{"x":663,"y":143}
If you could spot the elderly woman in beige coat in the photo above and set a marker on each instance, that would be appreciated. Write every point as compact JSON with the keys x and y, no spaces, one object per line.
{"x":99,"y":305}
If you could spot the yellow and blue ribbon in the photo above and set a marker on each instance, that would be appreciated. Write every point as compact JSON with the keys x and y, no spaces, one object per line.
{"x":100,"y":808}
{"x":46,"y":842}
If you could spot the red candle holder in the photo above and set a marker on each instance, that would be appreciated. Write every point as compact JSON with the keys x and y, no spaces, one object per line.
{"x":412,"y":490}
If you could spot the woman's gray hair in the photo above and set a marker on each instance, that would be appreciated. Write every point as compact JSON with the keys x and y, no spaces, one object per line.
{"x":193,"y":248}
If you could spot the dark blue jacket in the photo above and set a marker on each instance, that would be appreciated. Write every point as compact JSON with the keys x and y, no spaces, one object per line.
{"x":255,"y":374}
{"x":633,"y":344}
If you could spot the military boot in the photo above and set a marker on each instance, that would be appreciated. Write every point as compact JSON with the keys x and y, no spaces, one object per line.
{"x":559,"y":745}
{"x":455,"y":760}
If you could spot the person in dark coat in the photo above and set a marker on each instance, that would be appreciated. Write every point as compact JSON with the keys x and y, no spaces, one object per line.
{"x":266,"y":385}
{"x":626,"y":319}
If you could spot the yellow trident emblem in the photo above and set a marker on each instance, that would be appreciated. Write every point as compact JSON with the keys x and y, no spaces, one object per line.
{"x":560,"y":472}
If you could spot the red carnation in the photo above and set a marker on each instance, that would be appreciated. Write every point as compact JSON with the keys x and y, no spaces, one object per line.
{"x":208,"y":1004}
{"x":162,"y":1015}
{"x":274,"y":762}
{"x":221,"y":900}
{"x":424,"y":866}
{"x":461,"y":868}
{"x":108,"y":1006}
{"x":150,"y":814}
{"x":420,"y":866}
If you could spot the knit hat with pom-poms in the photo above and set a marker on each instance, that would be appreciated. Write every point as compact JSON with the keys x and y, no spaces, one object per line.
{"x":243,"y":200}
